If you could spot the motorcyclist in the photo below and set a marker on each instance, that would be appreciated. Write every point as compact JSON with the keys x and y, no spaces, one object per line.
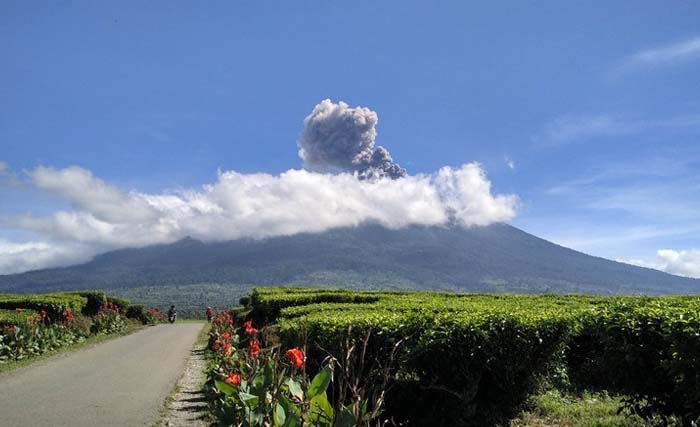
{"x":172,"y":314}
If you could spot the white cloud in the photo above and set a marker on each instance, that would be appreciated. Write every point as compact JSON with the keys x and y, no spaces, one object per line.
{"x":682,"y":263}
{"x":510,"y":163}
{"x":686,"y":50}
{"x":18,"y":257}
{"x":238,"y":205}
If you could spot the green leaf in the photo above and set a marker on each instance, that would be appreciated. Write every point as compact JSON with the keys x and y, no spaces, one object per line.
{"x":321,"y":411}
{"x":320,"y":382}
{"x":279,"y":415}
{"x":345,"y":419}
{"x":268,"y":374}
{"x":295,"y":389}
{"x":293,"y":420}
{"x":225,"y":388}
{"x":249,"y":399}
{"x":289,"y":407}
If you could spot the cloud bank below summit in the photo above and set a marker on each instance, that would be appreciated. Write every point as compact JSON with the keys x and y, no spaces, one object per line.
{"x":340,"y":186}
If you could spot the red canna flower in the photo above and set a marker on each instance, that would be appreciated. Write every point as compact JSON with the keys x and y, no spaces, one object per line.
{"x":225,"y":335}
{"x":254,"y":347}
{"x":249,"y":329}
{"x":233,"y":379}
{"x":216,"y":345}
{"x":227,"y":349}
{"x":296,"y":356}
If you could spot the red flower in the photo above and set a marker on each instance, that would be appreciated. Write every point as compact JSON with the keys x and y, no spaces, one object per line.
{"x":254,"y":347}
{"x":225,"y":335}
{"x":296,"y":356}
{"x":43,"y":314}
{"x":227,"y":349}
{"x":249,"y":329}
{"x":216,"y":345}
{"x":233,"y":379}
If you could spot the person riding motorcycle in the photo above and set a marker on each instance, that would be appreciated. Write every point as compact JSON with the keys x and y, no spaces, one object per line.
{"x":172,"y":314}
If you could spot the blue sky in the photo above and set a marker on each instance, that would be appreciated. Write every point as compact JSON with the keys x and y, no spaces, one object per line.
{"x":588,"y":113}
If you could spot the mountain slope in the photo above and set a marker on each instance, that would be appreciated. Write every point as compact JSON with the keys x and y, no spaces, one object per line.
{"x":488,"y":259}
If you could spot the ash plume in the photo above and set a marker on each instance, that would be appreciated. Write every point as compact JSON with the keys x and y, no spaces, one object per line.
{"x":339,"y":138}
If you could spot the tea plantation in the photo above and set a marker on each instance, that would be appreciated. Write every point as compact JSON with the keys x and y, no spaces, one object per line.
{"x":471,"y":359}
{"x":31,"y":325}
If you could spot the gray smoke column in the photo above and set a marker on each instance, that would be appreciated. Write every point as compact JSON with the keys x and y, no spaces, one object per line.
{"x":338,"y":138}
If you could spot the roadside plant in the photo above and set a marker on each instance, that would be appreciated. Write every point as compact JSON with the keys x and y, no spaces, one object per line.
{"x":109,"y":320}
{"x":256,"y":385}
{"x":35,"y":335}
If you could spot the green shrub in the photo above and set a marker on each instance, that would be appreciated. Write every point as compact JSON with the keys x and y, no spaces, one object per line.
{"x":109,"y":320}
{"x":468,"y":360}
{"x":17,"y":316}
{"x":53,"y":304}
{"x":122,"y":303}
{"x":95,"y":301}
{"x":645,"y":348}
{"x":474,"y":359}
{"x":136,"y":312}
{"x":244,"y":301}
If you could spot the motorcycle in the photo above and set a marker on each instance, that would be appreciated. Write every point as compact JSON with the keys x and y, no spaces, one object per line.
{"x":172,"y":317}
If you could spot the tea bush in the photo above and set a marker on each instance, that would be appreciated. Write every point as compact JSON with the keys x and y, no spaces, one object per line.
{"x":470,"y":358}
{"x":645,"y":348}
{"x":52,"y":304}
{"x":33,"y":324}
{"x":94,"y":301}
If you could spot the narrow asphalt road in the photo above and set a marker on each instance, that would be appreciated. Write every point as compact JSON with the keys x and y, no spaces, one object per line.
{"x":122,"y":382}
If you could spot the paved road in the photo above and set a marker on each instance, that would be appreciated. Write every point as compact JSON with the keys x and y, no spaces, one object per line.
{"x":122,"y":382}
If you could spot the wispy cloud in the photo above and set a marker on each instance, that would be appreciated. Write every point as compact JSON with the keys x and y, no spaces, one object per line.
{"x":674,"y":53}
{"x":680,"y":262}
{"x":3,"y":168}
{"x":510,"y":163}
{"x":625,"y":208}
{"x":576,"y":128}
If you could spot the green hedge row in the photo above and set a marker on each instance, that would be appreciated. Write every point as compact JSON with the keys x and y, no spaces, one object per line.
{"x":645,"y":348}
{"x":86,"y":302}
{"x":472,"y":358}
{"x":53,"y":304}
{"x":14,"y":317}
{"x":94,"y":301}
{"x":268,"y":305}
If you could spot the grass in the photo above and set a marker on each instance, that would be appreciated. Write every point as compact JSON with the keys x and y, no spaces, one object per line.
{"x":11,"y":365}
{"x":554,"y":409}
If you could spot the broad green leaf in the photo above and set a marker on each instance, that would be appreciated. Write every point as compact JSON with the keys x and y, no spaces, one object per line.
{"x":320,"y":382}
{"x":295,"y":389}
{"x":321,"y":411}
{"x":289,"y":407}
{"x":249,"y":399}
{"x":279,"y":415}
{"x":293,"y":420}
{"x":225,"y":388}
{"x":345,"y":419}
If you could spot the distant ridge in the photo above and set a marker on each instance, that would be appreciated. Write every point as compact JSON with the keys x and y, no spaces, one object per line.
{"x":497,"y":258}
